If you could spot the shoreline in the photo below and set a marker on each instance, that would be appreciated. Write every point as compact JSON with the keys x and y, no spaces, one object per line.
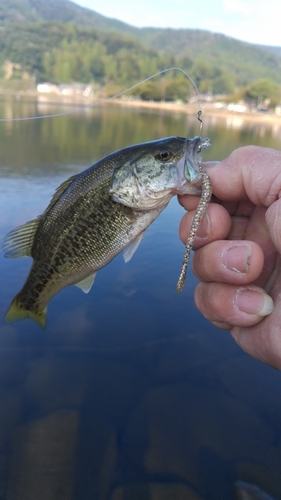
{"x":209,"y":110}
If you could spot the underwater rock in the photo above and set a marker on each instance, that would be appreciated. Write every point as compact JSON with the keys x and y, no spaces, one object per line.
{"x":12,"y":367}
{"x":114,"y":387}
{"x":266,"y":479}
{"x":96,"y":458}
{"x":52,"y":384}
{"x":10,"y":413}
{"x":4,"y":469}
{"x":246,"y":491}
{"x":254,"y":383}
{"x":155,"y":491}
{"x":171,"y":423}
{"x":179,"y":358}
{"x":44,"y":458}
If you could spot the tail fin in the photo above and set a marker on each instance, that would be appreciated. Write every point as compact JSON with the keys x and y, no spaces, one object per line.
{"x":17,"y":312}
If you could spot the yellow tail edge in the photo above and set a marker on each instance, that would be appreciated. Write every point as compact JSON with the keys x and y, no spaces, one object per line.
{"x":18,"y":312}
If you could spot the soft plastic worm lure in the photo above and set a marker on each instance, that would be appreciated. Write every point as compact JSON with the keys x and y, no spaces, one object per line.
{"x":205,"y":198}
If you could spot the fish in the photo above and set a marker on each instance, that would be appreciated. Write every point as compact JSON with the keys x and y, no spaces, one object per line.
{"x":98,"y":213}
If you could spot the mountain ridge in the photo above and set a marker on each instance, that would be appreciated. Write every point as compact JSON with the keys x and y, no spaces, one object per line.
{"x":26,"y":27}
{"x":65,"y":11}
{"x":17,"y":11}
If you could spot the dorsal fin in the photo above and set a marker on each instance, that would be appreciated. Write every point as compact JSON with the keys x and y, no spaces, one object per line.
{"x":19,"y":241}
{"x":59,"y":192}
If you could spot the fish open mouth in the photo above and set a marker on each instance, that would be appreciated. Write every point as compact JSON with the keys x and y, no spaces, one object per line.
{"x":188,"y":167}
{"x":201,"y":144}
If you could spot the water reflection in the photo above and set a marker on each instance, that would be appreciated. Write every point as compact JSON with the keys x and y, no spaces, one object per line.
{"x":129,"y":393}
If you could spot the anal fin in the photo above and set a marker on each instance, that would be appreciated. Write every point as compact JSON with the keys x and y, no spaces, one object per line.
{"x":87,"y":283}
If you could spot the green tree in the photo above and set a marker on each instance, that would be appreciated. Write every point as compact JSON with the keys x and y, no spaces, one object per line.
{"x":185,"y":63}
{"x":263,"y":90}
{"x":127,"y":66}
{"x":150,"y":91}
{"x":179,"y":88}
{"x":202,"y":71}
{"x":223,"y":84}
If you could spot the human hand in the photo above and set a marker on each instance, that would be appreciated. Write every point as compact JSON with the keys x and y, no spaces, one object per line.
{"x":238,"y":250}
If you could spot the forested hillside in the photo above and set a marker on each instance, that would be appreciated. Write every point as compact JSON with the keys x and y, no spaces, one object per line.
{"x":59,"y":41}
{"x":244,"y":60}
{"x":65,"y":11}
{"x":66,"y":52}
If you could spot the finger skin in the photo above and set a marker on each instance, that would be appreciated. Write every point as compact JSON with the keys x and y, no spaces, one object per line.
{"x":219,"y":225}
{"x":249,"y":173}
{"x":218,"y":303}
{"x":258,"y":336}
{"x":247,"y":190}
{"x":233,"y":262}
{"x":216,"y":224}
{"x":263,"y":341}
{"x":273,"y":220}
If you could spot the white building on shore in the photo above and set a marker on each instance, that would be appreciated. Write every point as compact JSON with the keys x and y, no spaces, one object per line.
{"x":65,"y":89}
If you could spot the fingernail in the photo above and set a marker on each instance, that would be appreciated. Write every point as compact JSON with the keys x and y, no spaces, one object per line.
{"x":253,"y":302}
{"x":237,"y":258}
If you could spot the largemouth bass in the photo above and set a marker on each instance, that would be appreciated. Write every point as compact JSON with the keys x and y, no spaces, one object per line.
{"x":96,"y":214}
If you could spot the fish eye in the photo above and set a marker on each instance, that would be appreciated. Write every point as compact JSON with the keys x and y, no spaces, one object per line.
{"x":163,"y":155}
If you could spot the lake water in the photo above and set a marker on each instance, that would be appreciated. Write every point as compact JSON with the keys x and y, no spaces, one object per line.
{"x":129,"y":394}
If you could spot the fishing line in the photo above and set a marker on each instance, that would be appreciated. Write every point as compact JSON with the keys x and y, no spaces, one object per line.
{"x":103,"y":101}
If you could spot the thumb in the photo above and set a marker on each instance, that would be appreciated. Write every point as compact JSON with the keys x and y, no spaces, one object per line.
{"x":273,"y":220}
{"x":249,"y":173}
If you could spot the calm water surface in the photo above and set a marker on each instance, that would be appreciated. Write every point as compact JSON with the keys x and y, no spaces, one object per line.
{"x":129,"y":393}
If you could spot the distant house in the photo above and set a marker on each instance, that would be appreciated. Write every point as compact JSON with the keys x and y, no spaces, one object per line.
{"x":65,"y":89}
{"x":47,"y":88}
{"x":75,"y":89}
{"x":201,"y":98}
{"x":239,"y":107}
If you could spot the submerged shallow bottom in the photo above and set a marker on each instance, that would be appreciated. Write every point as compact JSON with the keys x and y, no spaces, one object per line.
{"x":182,"y":417}
{"x":129,"y":393}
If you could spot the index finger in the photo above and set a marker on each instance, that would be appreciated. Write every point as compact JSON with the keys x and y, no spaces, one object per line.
{"x":250,"y":173}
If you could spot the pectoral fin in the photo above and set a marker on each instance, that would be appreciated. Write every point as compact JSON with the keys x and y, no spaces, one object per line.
{"x":87,"y":283}
{"x":132,"y":247}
